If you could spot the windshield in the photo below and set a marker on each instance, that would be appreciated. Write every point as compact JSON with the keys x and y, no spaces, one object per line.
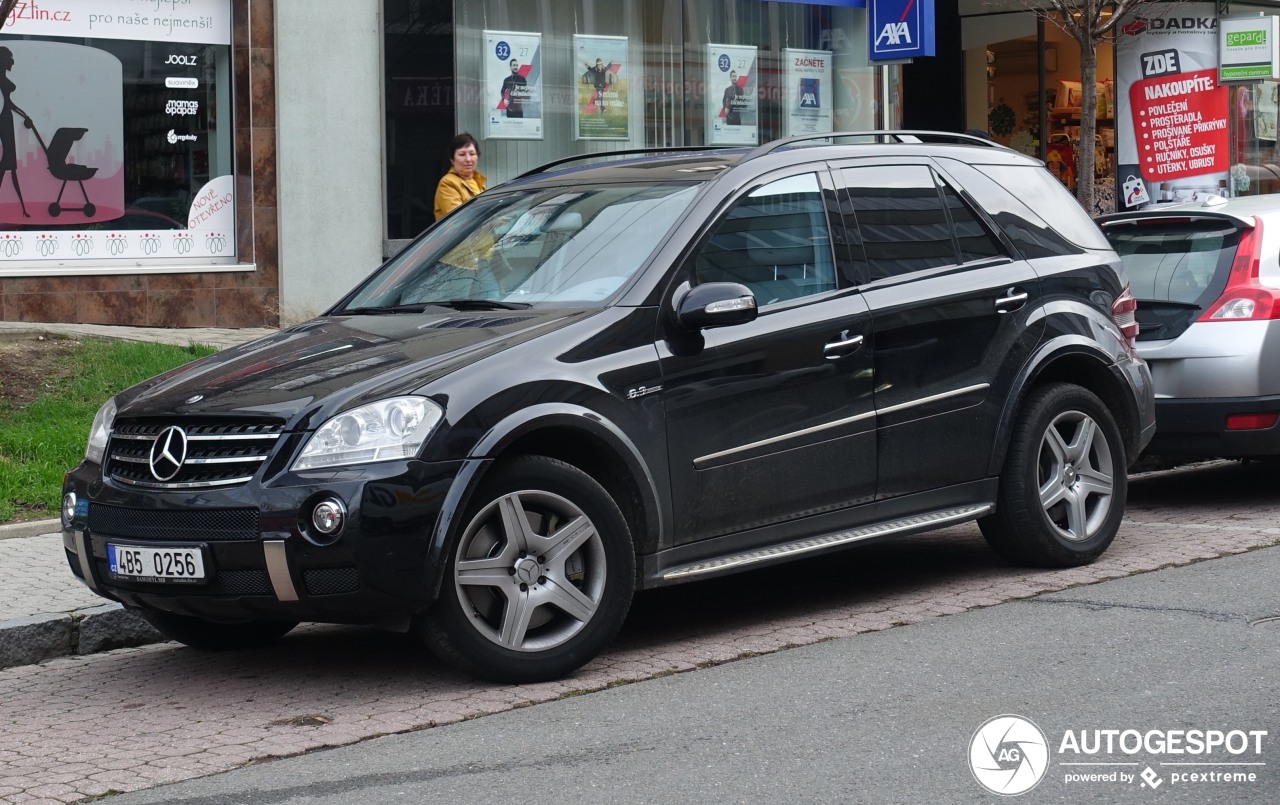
{"x":568,"y":247}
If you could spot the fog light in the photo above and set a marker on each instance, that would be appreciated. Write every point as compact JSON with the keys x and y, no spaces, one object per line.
{"x":328,"y":517}
{"x":68,"y":509}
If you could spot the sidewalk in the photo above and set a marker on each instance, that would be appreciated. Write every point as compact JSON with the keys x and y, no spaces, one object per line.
{"x":45,"y":611}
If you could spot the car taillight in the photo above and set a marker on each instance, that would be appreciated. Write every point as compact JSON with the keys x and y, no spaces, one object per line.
{"x":1251,"y":421}
{"x":1124,"y":313}
{"x":1245,"y":298}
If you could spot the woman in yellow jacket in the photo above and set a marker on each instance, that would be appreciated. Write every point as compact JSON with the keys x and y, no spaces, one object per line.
{"x":462,"y":182}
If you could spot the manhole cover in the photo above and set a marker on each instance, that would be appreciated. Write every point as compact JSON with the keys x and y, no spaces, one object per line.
{"x":1268,"y":623}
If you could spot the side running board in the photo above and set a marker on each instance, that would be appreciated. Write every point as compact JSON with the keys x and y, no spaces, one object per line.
{"x":792,"y":550}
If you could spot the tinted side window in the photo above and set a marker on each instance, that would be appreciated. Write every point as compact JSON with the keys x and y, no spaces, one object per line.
{"x":899,"y":217}
{"x":975,"y":242}
{"x":775,"y":241}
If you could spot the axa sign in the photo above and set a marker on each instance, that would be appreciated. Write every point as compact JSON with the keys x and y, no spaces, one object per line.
{"x":900,"y":29}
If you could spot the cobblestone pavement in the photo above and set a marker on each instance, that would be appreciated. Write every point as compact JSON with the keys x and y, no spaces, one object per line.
{"x":83,"y":726}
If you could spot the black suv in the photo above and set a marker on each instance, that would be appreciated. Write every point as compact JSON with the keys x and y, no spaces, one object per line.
{"x":653,"y":369}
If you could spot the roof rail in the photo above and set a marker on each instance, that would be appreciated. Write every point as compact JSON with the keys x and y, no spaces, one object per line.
{"x":897,"y":135}
{"x":555,"y":163}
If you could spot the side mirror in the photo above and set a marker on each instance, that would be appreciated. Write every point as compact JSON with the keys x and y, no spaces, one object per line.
{"x":716,"y":304}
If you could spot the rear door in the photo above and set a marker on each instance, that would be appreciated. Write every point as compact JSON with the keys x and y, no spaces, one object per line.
{"x":951,"y":313}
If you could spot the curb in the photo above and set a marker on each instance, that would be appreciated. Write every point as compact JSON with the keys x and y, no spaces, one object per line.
{"x":32,"y":529}
{"x":34,"y":639}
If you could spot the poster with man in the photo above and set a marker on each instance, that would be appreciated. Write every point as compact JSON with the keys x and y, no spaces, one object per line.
{"x":731,"y":95}
{"x":808,"y":88}
{"x":513,"y":85}
{"x":601,"y":112}
{"x":1171,"y":112}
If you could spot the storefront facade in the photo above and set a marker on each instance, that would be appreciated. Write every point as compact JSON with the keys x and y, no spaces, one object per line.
{"x":245,"y":162}
{"x":1172,"y":125}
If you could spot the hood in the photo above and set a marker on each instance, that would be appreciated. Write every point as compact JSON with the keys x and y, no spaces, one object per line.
{"x":333,"y":363}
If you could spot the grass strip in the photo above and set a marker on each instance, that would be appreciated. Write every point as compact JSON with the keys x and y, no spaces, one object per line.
{"x":39,"y":442}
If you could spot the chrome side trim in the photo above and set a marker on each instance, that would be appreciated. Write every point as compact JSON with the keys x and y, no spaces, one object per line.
{"x":84,"y":555}
{"x":776,"y":553}
{"x":784,"y":437}
{"x":697,"y":462}
{"x":933,"y":398}
{"x":278,"y":569}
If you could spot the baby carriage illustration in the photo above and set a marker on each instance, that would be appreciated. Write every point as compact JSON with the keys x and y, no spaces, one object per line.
{"x":56,"y":153}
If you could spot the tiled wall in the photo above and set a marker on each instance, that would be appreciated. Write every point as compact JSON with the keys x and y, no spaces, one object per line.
{"x":222,"y":299}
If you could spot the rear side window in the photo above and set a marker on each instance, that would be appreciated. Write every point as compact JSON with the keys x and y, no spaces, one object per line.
{"x":907,"y":219}
{"x":1029,"y":232}
{"x":1183,"y":261}
{"x":1050,"y":200}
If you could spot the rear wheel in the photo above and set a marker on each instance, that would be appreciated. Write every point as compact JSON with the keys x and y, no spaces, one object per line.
{"x":1063,"y":488}
{"x":540,"y":578}
{"x":213,"y":636}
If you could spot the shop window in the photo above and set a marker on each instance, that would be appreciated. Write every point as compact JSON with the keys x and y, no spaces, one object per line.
{"x":117,"y":141}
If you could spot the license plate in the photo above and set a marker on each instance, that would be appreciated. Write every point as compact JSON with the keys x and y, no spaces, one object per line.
{"x":138,"y":563}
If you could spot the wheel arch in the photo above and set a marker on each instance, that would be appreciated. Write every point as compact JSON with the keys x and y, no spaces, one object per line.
{"x":575,"y":435}
{"x":1073,"y":359}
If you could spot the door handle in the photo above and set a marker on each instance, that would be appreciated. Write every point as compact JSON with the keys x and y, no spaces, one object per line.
{"x":846,"y":345}
{"x":1011,"y":301}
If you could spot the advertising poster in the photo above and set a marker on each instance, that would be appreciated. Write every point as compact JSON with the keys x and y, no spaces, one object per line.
{"x":808,"y":76}
{"x":731,"y":95}
{"x":1171,"y":119}
{"x":513,"y":85}
{"x":64,"y":128}
{"x":601,"y":111}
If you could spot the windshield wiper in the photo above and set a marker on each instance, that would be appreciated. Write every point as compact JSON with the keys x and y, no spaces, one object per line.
{"x":377,"y":310}
{"x":480,"y":304}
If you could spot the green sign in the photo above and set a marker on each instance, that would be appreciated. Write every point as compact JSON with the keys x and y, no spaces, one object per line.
{"x":1239,"y":39}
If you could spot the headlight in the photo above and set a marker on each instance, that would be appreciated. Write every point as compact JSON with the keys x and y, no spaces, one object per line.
{"x":100,"y":431}
{"x":381,"y":431}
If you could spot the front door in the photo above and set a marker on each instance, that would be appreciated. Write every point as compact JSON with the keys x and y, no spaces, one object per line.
{"x":772,"y":420}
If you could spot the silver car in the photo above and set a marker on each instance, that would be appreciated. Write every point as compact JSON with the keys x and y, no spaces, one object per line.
{"x":1207,"y":279}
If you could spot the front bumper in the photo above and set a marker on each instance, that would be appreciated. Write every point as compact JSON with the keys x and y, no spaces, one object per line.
{"x":261,"y":562}
{"x":1197,"y":428}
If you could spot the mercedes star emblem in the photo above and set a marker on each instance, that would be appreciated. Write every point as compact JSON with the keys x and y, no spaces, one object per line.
{"x":168,"y":453}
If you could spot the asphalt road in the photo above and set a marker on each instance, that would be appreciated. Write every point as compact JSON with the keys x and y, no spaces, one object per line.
{"x":884,"y":716}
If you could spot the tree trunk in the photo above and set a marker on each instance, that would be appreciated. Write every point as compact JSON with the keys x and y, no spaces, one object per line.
{"x":1086,"y":149}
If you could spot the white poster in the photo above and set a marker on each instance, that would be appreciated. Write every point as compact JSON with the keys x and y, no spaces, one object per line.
{"x":601,"y":111}
{"x":513,"y":85}
{"x":731,"y":95}
{"x":205,"y":22}
{"x":808,"y":87}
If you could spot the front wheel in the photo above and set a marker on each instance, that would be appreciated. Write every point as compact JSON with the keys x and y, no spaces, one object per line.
{"x":1063,"y":488}
{"x":540,"y":578}
{"x":213,"y":636}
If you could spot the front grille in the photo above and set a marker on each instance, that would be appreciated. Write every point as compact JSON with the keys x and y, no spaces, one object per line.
{"x":204,"y":525}
{"x":331,"y":581}
{"x":219,"y":452}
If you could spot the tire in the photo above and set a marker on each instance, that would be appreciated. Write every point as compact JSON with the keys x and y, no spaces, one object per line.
{"x":213,"y":636}
{"x":539,"y":579}
{"x":1062,"y":492}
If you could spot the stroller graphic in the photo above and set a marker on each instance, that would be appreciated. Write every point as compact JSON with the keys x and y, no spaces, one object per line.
{"x":56,"y":153}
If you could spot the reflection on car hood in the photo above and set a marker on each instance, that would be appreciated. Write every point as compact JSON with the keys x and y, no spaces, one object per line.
{"x":336,"y":361}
